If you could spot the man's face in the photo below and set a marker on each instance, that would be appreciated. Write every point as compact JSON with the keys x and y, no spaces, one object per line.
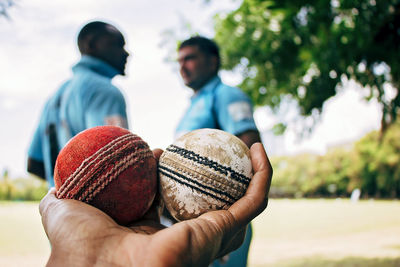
{"x":196,"y":67}
{"x":110,"y":48}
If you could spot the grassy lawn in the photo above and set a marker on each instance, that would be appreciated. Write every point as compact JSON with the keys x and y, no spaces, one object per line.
{"x":22,"y":238}
{"x":327,"y":233}
{"x":290,"y":233}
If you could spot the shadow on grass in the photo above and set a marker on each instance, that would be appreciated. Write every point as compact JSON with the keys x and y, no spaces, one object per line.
{"x":345,"y":262}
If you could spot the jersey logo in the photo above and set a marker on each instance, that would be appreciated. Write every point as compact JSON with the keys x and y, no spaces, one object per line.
{"x":116,"y":120}
{"x":240,"y":111}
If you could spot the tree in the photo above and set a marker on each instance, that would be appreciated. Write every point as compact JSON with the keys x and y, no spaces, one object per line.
{"x":375,"y":166}
{"x":306,"y":49}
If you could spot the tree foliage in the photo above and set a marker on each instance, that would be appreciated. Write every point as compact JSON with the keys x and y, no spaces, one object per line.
{"x":28,"y":188}
{"x":376,"y":166}
{"x":371,"y":165}
{"x":305,"y":49}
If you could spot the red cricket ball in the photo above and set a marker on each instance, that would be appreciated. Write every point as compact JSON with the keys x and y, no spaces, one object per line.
{"x":110,"y":168}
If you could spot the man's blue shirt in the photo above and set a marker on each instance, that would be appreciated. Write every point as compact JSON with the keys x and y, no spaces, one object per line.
{"x":88,"y":99}
{"x":217,"y":105}
{"x":41,"y":147}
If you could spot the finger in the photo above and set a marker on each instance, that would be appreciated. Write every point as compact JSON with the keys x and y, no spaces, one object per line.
{"x":261,"y":164}
{"x":256,"y":198}
{"x":47,"y":200}
{"x":157,"y":153}
{"x":47,"y":208}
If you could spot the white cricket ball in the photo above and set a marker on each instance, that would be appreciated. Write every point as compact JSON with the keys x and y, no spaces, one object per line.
{"x":203,"y":170}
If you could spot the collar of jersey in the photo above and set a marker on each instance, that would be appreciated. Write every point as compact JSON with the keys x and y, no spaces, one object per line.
{"x":209,"y":87}
{"x":96,"y":65}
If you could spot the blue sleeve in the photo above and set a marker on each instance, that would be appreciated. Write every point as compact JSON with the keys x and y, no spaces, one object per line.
{"x":35,"y":149}
{"x":234,"y":110}
{"x":107,"y":107}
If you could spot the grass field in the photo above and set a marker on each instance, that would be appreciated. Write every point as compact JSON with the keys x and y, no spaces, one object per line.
{"x":22,"y":238}
{"x":290,"y":233}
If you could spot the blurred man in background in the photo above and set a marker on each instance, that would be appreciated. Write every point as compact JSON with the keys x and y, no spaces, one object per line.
{"x":88,"y":99}
{"x":215,"y":105}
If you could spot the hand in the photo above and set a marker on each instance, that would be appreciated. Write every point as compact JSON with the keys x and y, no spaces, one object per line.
{"x":82,"y":235}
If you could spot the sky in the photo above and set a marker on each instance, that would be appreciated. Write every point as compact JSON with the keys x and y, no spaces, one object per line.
{"x":38,"y":48}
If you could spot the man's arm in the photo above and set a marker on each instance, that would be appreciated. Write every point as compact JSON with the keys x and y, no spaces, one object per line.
{"x":250,"y":137}
{"x":36,"y":167}
{"x":234,"y":114}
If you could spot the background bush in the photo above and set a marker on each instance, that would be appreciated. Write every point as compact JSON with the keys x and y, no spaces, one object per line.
{"x":371,"y":164}
{"x":27,"y":189}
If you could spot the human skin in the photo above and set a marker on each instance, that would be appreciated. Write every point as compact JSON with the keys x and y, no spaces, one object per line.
{"x":81,"y":235}
{"x":196,"y":67}
{"x":109,"y":47}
